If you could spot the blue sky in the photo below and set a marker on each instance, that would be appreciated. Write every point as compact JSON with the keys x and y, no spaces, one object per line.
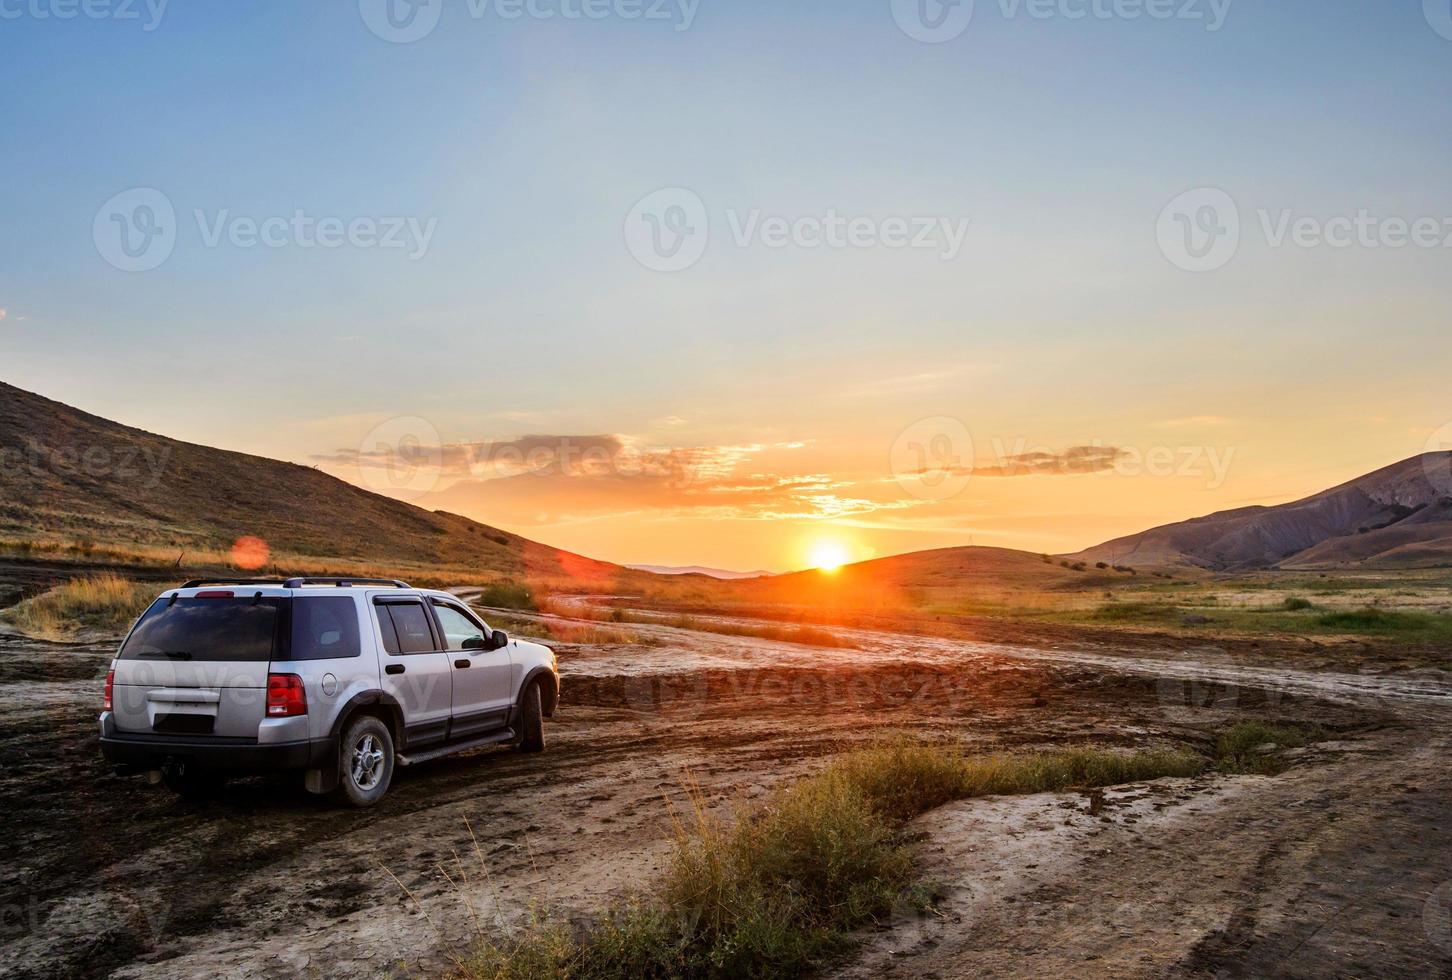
{"x":527,"y":142}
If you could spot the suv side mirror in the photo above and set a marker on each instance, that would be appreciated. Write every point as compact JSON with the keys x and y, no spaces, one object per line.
{"x":477,"y":643}
{"x":499,"y":640}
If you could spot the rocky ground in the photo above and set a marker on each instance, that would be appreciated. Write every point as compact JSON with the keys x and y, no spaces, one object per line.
{"x":1340,"y":866}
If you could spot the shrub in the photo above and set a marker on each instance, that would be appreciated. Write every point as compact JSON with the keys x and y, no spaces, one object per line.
{"x":507,"y":594}
{"x":1235,"y":746}
{"x":1297,"y":603}
{"x":103,"y":602}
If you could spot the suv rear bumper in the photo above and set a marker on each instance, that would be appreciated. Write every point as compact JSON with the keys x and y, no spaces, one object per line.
{"x":144,"y":752}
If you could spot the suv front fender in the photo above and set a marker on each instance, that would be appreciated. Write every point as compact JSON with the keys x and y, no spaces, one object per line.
{"x":549,"y":691}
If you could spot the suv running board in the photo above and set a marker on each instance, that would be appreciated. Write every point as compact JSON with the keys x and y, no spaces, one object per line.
{"x":414,"y":758}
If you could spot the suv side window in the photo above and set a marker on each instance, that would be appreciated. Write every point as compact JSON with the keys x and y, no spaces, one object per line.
{"x":405,"y":627}
{"x":324,"y":628}
{"x":460,"y":630}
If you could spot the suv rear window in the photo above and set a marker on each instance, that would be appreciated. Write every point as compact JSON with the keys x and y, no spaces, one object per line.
{"x":206,"y":630}
{"x":324,"y":628}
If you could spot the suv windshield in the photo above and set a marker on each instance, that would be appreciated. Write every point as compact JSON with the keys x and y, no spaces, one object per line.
{"x":206,"y":630}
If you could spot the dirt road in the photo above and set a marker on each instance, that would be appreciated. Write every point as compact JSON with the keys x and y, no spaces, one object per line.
{"x":1339,"y":867}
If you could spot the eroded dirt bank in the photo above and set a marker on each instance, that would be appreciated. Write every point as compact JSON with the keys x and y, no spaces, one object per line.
{"x":1330,"y":869}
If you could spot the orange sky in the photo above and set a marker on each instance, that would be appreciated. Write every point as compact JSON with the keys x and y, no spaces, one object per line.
{"x":895,"y":466}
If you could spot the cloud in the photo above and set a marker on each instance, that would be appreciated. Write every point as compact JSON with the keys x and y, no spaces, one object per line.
{"x":543,"y":479}
{"x":2,"y":312}
{"x":1072,"y":461}
{"x":555,"y":498}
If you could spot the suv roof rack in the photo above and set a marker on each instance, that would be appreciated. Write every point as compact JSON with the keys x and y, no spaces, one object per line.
{"x":343,"y":583}
{"x":197,"y":583}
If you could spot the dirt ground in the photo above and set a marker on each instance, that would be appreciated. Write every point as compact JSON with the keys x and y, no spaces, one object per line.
{"x":1341,"y":866}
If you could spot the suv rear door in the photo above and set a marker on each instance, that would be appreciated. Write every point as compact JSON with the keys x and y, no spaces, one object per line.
{"x":483,"y":682}
{"x":415,"y":670}
{"x":197,"y":665}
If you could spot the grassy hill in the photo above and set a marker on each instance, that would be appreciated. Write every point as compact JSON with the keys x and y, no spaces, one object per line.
{"x":949,"y":580}
{"x":75,"y":484}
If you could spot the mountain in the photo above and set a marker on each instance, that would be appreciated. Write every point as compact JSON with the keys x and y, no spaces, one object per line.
{"x":67,"y":476}
{"x":720,"y":573}
{"x":1396,"y":517}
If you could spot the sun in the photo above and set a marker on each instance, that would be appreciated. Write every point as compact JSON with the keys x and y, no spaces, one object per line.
{"x":828,"y":555}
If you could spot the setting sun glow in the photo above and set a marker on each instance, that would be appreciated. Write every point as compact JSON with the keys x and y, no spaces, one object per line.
{"x":828,"y":555}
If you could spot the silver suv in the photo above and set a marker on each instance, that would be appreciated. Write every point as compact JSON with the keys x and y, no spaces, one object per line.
{"x":341,"y":679}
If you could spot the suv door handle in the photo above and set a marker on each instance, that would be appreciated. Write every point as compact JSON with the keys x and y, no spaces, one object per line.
{"x":394,"y":669}
{"x":465,"y":662}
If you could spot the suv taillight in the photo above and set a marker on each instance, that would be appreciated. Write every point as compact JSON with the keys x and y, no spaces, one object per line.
{"x":110,"y":685}
{"x":286,"y":696}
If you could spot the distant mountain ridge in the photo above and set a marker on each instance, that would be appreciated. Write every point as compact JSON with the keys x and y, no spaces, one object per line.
{"x":72,"y":475}
{"x":720,"y":573}
{"x":1399,"y":516}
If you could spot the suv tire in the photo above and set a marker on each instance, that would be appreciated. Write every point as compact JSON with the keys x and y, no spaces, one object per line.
{"x":531,"y":715}
{"x":365,"y":762}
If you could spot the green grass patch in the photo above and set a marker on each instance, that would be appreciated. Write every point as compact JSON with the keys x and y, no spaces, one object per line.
{"x":100,"y":602}
{"x":1236,"y":747}
{"x":508,"y":595}
{"x":1372,"y":620}
{"x":1136,"y":612}
{"x":779,"y":890}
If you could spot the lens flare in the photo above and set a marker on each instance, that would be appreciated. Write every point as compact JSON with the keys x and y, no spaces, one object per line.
{"x":250,"y":553}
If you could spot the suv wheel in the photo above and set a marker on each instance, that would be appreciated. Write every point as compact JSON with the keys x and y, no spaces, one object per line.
{"x":532,"y":720}
{"x":365,"y":762}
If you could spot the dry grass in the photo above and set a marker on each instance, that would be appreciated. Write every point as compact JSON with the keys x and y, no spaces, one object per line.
{"x":779,"y":890}
{"x":101,"y":602}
